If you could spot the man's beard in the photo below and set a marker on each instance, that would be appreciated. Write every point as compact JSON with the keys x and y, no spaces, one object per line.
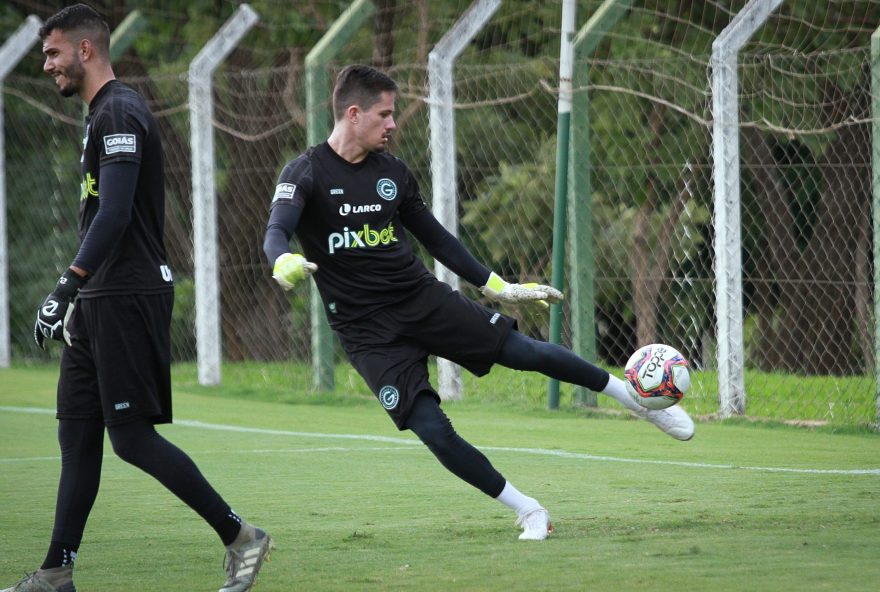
{"x":75,"y":75}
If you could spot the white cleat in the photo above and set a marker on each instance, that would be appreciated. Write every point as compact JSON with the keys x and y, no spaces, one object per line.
{"x":673,"y":420}
{"x":536,"y":525}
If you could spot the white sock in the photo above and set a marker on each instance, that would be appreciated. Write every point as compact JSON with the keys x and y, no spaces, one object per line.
{"x":518,"y":502}
{"x":616,"y":388}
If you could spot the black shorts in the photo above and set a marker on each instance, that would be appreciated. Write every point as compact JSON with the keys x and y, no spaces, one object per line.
{"x":390,"y":349}
{"x":119,"y":366}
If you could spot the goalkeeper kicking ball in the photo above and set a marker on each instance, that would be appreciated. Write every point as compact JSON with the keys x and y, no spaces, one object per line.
{"x":657,"y":376}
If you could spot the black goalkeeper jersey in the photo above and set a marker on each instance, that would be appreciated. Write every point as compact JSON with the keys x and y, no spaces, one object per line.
{"x":352,"y":227}
{"x":120,"y":128}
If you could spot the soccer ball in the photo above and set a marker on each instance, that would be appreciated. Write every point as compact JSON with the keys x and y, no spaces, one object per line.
{"x":657,"y":376}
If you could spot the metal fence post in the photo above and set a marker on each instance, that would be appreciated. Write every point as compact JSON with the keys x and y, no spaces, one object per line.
{"x":580,"y":198}
{"x":15,"y":48}
{"x":875,"y":207}
{"x":728,"y":244}
{"x":442,"y":128}
{"x":201,"y":110}
{"x":563,"y":125}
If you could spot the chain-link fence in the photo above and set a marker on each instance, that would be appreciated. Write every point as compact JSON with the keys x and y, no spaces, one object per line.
{"x":806,"y":150}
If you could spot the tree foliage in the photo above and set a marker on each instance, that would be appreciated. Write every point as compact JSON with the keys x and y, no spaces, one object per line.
{"x":650,"y":148}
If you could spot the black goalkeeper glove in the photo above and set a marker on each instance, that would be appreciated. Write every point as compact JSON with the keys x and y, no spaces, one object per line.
{"x":54,"y":313}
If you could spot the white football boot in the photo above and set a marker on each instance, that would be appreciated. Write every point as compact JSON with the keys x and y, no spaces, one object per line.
{"x":673,"y":420}
{"x":536,"y":525}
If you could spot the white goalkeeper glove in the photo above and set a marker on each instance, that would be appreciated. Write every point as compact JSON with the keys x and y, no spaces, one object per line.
{"x":290,"y":268}
{"x":497,"y":289}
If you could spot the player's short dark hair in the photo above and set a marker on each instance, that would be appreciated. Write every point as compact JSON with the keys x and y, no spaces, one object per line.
{"x":83,"y":20}
{"x":359,"y":85}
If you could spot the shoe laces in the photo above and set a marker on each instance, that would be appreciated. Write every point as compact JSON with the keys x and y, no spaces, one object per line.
{"x":525,"y":520}
{"x":28,"y":576}
{"x":230,"y":558}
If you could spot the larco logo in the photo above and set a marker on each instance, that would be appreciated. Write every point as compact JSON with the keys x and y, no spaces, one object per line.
{"x":355,"y":239}
{"x":119,"y":143}
{"x":386,"y":189}
{"x":346,"y":209}
{"x":389,"y":397}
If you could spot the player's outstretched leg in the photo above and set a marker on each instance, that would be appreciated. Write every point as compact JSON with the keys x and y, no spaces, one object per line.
{"x":521,"y":352}
{"x":56,"y":579}
{"x":244,"y":558}
{"x":673,"y":421}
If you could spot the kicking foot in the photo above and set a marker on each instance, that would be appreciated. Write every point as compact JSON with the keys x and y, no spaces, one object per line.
{"x":673,"y":420}
{"x":536,"y":525}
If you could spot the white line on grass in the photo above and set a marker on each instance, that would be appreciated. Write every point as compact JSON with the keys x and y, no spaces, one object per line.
{"x":321,"y":449}
{"x":29,"y":459}
{"x":535,"y":451}
{"x":110,"y":457}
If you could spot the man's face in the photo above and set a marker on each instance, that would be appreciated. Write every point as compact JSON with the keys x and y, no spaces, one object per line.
{"x":375,"y":125}
{"x":62,"y":63}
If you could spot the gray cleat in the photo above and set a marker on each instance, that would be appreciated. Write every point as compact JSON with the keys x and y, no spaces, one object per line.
{"x":56,"y":579}
{"x":244,"y":558}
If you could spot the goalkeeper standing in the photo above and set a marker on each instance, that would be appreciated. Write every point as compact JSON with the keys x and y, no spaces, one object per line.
{"x":353,"y":207}
{"x":115,"y":366}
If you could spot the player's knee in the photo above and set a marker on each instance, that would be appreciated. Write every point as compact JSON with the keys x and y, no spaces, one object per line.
{"x":523,"y":353}
{"x":430,"y":424}
{"x":125,"y":450}
{"x":437,"y":436}
{"x":129,"y":443}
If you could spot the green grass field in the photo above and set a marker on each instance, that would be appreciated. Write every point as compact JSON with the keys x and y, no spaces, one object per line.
{"x":353,"y":504}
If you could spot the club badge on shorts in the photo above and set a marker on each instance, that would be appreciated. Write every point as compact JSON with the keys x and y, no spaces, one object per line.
{"x":389,"y":397}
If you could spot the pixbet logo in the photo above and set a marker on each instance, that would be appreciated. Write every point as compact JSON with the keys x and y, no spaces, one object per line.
{"x":88,"y":188}
{"x":346,"y":209}
{"x":355,"y":239}
{"x":653,"y":364}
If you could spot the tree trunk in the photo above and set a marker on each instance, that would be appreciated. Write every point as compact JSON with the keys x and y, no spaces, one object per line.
{"x":647,"y":276}
{"x":383,"y":50}
{"x":815,"y":325}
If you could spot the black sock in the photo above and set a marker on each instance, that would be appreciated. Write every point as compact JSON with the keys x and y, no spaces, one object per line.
{"x":229,"y":527}
{"x":59,"y":554}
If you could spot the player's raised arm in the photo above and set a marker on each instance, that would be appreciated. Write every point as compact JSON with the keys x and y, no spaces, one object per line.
{"x":449,"y":251}
{"x":444,"y":247}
